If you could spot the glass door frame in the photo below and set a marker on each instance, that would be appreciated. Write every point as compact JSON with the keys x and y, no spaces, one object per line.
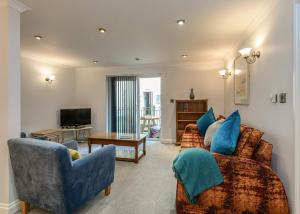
{"x":139,"y":77}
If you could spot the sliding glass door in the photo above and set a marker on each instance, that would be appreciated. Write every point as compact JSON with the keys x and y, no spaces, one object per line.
{"x":149,"y":104}
{"x":122,"y":104}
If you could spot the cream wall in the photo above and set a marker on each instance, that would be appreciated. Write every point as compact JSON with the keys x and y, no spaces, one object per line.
{"x":272,"y":73}
{"x":41,"y":101}
{"x":10,"y":107}
{"x":176,"y":81}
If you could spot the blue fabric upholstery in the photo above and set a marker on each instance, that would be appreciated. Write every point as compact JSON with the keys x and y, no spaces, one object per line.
{"x":46,"y":177}
{"x":225,"y":139}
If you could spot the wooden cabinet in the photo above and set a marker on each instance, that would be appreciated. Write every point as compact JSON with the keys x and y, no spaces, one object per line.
{"x":188,"y":111}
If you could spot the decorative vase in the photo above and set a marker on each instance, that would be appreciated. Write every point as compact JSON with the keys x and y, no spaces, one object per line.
{"x":192,"y":95}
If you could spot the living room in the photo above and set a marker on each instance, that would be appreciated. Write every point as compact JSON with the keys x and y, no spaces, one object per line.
{"x":65,"y":61}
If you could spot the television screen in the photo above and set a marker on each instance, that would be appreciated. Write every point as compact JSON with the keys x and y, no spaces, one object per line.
{"x":83,"y":116}
{"x":75,"y":117}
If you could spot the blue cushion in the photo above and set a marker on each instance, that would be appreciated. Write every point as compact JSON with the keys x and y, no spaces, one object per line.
{"x":225,"y":139}
{"x":205,"y":121}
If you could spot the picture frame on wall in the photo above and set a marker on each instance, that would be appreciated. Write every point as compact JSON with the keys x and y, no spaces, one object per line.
{"x":241,"y":82}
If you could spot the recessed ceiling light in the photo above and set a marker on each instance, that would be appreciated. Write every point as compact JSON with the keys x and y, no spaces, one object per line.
{"x":180,"y":22}
{"x":37,"y":37}
{"x":95,"y":61}
{"x":184,"y":56}
{"x":102,"y":30}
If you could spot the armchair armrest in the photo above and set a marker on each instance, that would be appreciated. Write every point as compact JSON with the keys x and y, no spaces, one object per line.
{"x":90,"y":175}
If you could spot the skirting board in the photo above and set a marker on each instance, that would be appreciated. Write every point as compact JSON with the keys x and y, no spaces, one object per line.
{"x":11,"y":208}
{"x":171,"y":141}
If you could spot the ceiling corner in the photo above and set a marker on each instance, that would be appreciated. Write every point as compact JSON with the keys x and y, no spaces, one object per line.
{"x":19,"y":6}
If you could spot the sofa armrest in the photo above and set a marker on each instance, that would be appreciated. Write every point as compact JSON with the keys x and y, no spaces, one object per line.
{"x":90,"y":175}
{"x":248,"y":186}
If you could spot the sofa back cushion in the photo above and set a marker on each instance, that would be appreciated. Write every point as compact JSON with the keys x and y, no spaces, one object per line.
{"x":263,"y":153}
{"x":249,"y":140}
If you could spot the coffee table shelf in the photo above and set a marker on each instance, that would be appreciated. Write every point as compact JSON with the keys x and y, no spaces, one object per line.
{"x":121,"y":139}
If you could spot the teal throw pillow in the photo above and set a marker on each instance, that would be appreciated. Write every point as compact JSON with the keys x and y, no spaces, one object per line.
{"x":225,"y":139}
{"x":205,"y":121}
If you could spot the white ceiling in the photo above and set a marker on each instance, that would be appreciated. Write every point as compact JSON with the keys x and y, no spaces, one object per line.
{"x":135,"y":28}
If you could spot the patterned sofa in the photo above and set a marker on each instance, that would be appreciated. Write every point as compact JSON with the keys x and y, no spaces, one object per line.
{"x":250,"y":185}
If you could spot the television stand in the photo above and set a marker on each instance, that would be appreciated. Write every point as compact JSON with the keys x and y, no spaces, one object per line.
{"x":77,"y":131}
{"x":58,"y":135}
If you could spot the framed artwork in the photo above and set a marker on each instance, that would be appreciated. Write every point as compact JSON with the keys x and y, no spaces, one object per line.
{"x":241,"y":82}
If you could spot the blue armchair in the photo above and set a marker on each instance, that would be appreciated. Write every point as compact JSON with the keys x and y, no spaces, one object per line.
{"x":46,"y":177}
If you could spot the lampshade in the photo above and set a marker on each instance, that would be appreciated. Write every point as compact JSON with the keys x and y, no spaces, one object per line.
{"x":222,"y":72}
{"x":51,"y":77}
{"x":245,"y":52}
{"x":237,"y":71}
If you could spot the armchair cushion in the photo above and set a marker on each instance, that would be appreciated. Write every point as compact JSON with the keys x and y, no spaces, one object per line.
{"x":74,"y":154}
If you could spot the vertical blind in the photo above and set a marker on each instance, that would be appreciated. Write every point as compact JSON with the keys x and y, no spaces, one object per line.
{"x":122,"y":99}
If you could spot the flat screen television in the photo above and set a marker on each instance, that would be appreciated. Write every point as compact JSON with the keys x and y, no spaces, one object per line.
{"x":75,"y":117}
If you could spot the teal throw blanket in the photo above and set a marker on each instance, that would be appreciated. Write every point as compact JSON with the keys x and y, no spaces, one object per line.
{"x":198,"y":171}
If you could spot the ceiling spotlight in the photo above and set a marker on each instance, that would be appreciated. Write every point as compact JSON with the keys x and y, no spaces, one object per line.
{"x":37,"y":37}
{"x":95,"y":61}
{"x":184,"y":56}
{"x":181,"y":22}
{"x":102,"y":30}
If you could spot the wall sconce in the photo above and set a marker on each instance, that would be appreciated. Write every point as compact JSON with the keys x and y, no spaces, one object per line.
{"x":250,"y":55}
{"x":49,"y":79}
{"x":224,"y":73}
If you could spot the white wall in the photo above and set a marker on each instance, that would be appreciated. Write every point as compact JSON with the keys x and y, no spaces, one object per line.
{"x":176,"y":81}
{"x":40,"y":101}
{"x":273,"y":72}
{"x":10,"y":123}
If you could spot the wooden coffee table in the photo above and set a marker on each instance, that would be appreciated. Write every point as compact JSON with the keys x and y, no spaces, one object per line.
{"x":119,"y":139}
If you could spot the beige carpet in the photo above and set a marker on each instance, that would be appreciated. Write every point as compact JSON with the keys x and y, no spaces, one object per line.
{"x":145,"y":188}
